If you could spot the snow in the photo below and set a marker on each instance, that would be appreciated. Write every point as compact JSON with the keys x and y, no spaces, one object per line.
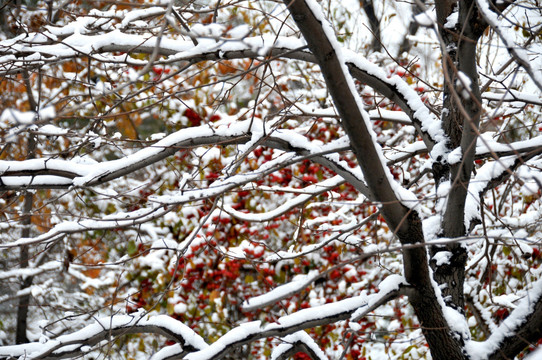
{"x":164,"y":243}
{"x":180,"y":308}
{"x":535,"y":355}
{"x":518,"y":52}
{"x":240,"y":31}
{"x":291,"y":340}
{"x":429,"y":122}
{"x":51,"y":130}
{"x":297,"y":284}
{"x":391,"y":283}
{"x":405,"y":196}
{"x":427,"y":18}
{"x":455,"y":156}
{"x":30,"y":271}
{"x":463,"y":85}
{"x":14,"y":116}
{"x":255,"y":329}
{"x":212,"y":30}
{"x":84,"y":170}
{"x":307,"y":193}
{"x":455,"y":320}
{"x":154,"y":260}
{"x":452,"y":20}
{"x":480,"y":350}
{"x":389,"y":115}
{"x":478,"y":185}
{"x":442,"y":257}
{"x":513,"y":95}
{"x":108,"y":222}
{"x":506,"y":300}
{"x":102,"y":327}
{"x":134,"y":15}
{"x":168,"y":352}
{"x":354,"y":326}
{"x":342,"y":235}
{"x":486,"y":144}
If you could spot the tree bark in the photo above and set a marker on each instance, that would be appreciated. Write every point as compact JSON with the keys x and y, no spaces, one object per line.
{"x":403,"y":221}
{"x":374,"y":24}
{"x":24,"y":301}
{"x":461,"y":119}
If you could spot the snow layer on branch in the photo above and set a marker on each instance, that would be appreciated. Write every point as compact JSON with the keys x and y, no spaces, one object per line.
{"x":463,"y":84}
{"x":487,"y":144}
{"x":102,"y":327}
{"x":487,"y":173}
{"x":298,"y":283}
{"x":51,"y":130}
{"x":455,"y":320}
{"x":85,"y":172}
{"x":167,"y":142}
{"x":23,"y":181}
{"x":405,"y":196}
{"x":535,"y":355}
{"x":429,"y":122}
{"x":79,"y":41}
{"x":308,"y":193}
{"x":140,"y":14}
{"x":525,"y":307}
{"x":427,"y":18}
{"x":519,"y":53}
{"x":391,"y":283}
{"x":343,"y":235}
{"x":167,"y":352}
{"x":388,"y":285}
{"x":30,"y":271}
{"x":298,"y":337}
{"x":108,"y":222}
{"x":14,"y":116}
{"x":513,"y":95}
{"x":301,"y":319}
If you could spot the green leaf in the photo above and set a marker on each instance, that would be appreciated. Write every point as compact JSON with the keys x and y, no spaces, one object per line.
{"x":131,"y":249}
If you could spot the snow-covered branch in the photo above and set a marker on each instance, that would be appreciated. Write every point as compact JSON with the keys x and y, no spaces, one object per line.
{"x":163,"y":204}
{"x":489,"y":176}
{"x":303,"y":319}
{"x":520,"y":329}
{"x":106,"y":328}
{"x":222,"y":163}
{"x":178,"y":50}
{"x":191,"y":344}
{"x":56,"y":173}
{"x":118,"y":220}
{"x":308,"y":193}
{"x":299,"y":341}
{"x":517,"y":52}
{"x":31,"y":271}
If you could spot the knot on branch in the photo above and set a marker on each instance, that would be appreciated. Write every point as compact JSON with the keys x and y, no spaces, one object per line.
{"x":441,"y":169}
{"x":448,"y":265}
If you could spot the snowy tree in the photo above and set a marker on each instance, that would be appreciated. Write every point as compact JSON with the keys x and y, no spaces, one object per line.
{"x":254,"y":180}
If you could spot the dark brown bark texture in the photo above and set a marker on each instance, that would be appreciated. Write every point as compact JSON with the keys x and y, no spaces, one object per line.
{"x":403,"y":221}
{"x":374,"y":23}
{"x":461,"y":119}
{"x":24,"y":257}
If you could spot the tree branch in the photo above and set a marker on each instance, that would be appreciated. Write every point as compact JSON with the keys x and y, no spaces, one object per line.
{"x":523,"y":327}
{"x":402,"y":220}
{"x":71,"y":345}
{"x":368,"y":73}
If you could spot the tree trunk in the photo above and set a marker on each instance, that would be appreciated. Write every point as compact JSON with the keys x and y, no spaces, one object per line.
{"x":404,"y":222}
